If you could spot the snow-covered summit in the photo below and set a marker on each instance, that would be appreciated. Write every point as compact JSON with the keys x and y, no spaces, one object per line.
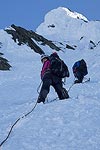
{"x":59,"y":18}
{"x":63,"y":24}
{"x":62,"y":11}
{"x":72,"y":14}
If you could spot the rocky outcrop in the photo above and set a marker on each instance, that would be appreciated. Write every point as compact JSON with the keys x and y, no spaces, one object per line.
{"x":92,"y":45}
{"x":4,"y":65}
{"x":70,"y":47}
{"x":30,"y":38}
{"x":0,"y":44}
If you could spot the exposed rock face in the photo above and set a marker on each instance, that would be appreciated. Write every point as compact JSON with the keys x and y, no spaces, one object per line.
{"x":92,"y":45}
{"x":26,"y":37}
{"x":70,"y":47}
{"x":0,"y":44}
{"x":4,"y":65}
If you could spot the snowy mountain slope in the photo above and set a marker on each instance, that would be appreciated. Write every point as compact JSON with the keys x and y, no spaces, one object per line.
{"x":58,"y":22}
{"x":73,"y":124}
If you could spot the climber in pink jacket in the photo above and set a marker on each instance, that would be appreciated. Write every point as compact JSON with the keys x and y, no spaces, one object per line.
{"x":49,"y":79}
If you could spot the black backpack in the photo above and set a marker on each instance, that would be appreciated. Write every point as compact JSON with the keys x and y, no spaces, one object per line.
{"x":58,"y":67}
{"x":80,"y":66}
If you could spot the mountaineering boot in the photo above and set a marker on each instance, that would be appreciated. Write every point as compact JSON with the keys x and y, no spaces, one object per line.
{"x":64,"y":94}
{"x":40,"y":100}
{"x":42,"y":96}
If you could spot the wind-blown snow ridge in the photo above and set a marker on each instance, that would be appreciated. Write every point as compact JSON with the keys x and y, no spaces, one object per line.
{"x":71,"y":13}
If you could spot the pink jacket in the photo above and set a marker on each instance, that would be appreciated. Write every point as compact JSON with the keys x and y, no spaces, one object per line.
{"x":45,"y":68}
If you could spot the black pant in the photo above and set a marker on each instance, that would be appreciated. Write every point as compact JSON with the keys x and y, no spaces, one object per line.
{"x":51,"y":80}
{"x":79,"y":75}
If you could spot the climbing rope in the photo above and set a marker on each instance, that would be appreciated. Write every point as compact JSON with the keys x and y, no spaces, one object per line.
{"x":16,"y":123}
{"x":25,"y":115}
{"x":70,"y":87}
{"x":39,"y":87}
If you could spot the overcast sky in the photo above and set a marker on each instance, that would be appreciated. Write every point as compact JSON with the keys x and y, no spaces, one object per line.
{"x":30,"y":13}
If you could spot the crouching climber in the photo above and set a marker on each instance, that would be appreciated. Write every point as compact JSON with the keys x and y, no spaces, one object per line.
{"x":79,"y":70}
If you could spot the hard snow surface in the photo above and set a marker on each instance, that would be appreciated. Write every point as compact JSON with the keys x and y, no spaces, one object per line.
{"x":72,"y":124}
